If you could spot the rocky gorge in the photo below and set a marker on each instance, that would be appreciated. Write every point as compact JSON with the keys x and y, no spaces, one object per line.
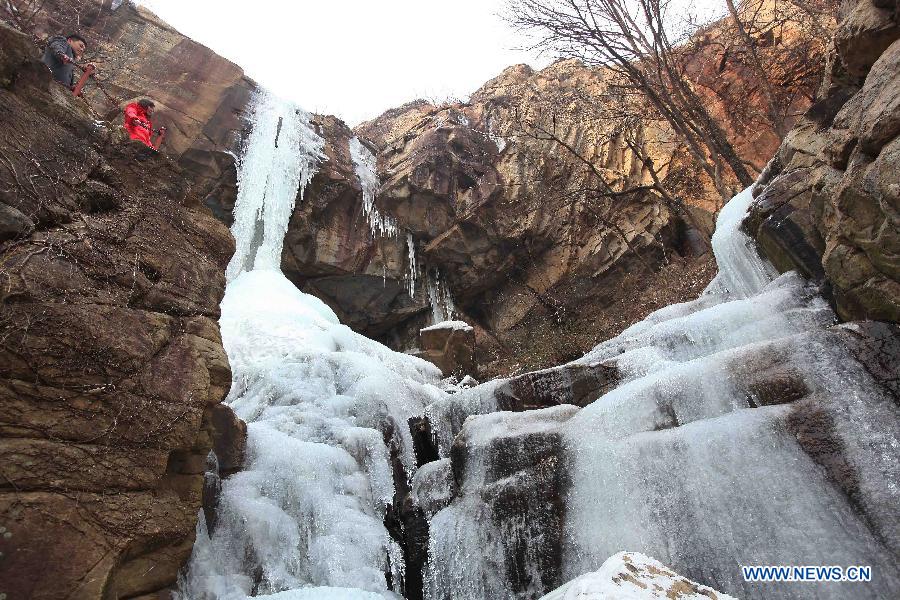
{"x":115,"y":370}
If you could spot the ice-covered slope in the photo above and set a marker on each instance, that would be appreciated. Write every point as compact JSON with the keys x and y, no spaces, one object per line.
{"x":738,"y":430}
{"x":325,"y":407}
{"x":742,"y":432}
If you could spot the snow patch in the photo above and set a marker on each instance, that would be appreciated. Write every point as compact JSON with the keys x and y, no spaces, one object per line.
{"x":454,"y":325}
{"x":633,"y":576}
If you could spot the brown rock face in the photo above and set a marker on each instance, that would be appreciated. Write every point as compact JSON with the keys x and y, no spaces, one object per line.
{"x":111,"y":362}
{"x":330,"y":252}
{"x":504,"y":217}
{"x":828,"y":202}
{"x":200,"y":97}
{"x":452,"y":349}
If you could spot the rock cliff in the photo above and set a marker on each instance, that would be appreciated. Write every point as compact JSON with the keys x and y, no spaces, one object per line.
{"x":111,"y":364}
{"x":200,"y":96}
{"x":503,"y":222}
{"x":828,"y":204}
{"x":491,"y":206}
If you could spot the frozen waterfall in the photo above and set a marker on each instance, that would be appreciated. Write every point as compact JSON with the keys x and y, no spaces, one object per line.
{"x":325,"y":408}
{"x":694,"y":456}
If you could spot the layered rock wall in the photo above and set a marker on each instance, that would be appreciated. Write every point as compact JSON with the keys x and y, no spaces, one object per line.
{"x":111,"y":363}
{"x":828,"y":204}
{"x":200,"y":96}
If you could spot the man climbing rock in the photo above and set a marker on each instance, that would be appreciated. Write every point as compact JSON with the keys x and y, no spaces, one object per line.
{"x":138,"y":123}
{"x":61,"y":56}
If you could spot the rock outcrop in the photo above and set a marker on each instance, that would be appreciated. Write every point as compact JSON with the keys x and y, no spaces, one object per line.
{"x":632,"y":576}
{"x":450,"y":346}
{"x":828,"y":203}
{"x":200,"y":97}
{"x":503,"y":214}
{"x":111,"y":363}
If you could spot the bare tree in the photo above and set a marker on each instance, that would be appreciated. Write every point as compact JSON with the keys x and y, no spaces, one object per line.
{"x":635,"y":40}
{"x":783,"y":44}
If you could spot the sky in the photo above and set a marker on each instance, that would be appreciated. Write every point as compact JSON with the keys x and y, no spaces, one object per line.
{"x":354,"y":58}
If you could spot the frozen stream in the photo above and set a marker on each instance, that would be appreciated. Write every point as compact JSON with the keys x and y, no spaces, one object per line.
{"x":681,"y":461}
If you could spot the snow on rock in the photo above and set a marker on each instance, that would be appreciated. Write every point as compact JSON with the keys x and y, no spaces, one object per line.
{"x":433,"y":486}
{"x":634,"y":576}
{"x":455,"y":325}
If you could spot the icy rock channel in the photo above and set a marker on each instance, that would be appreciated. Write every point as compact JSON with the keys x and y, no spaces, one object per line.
{"x":324,"y":406}
{"x":738,"y":432}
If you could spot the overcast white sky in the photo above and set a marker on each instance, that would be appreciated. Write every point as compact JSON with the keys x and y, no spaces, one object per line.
{"x":355,"y":58}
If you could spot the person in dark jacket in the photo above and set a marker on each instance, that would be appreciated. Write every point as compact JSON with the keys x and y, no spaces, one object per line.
{"x":61,"y":55}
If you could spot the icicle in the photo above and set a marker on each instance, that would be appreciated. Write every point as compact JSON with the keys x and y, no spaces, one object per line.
{"x":380,"y":225}
{"x":411,"y":273}
{"x":439,"y":297}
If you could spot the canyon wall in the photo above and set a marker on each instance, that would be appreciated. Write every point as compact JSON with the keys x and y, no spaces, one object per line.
{"x":828,"y":204}
{"x":111,"y":364}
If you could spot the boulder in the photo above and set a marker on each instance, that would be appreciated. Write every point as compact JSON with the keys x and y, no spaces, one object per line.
{"x":633,"y":576}
{"x":450,"y":345}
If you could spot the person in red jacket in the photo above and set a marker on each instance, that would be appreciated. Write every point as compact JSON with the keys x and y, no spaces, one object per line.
{"x":137,"y":121}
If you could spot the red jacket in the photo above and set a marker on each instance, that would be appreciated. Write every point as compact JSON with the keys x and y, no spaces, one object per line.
{"x":142,"y":131}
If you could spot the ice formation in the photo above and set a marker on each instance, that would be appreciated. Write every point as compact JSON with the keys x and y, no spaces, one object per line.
{"x":380,"y":225}
{"x":411,"y":274}
{"x":692,"y":458}
{"x":439,"y":297}
{"x":686,"y":460}
{"x":304,"y":518}
{"x":282,"y":152}
{"x":742,"y":272}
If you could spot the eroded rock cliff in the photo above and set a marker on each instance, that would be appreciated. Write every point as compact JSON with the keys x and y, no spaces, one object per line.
{"x":503,"y":221}
{"x":828,"y":204}
{"x":111,"y":364}
{"x":201,"y":97}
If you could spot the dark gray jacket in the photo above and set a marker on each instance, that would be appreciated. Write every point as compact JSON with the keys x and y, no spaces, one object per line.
{"x":62,"y":72}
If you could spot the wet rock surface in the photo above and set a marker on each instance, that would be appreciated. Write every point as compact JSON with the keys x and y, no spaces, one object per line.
{"x":111,"y":363}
